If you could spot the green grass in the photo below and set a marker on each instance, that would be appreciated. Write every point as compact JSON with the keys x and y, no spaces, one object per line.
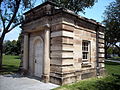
{"x":10,"y":64}
{"x":109,"y":82}
{"x":106,"y":83}
{"x":112,"y":68}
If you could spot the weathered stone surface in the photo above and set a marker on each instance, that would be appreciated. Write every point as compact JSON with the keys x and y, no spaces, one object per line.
{"x":55,"y":68}
{"x":101,"y":50}
{"x":101,"y":55}
{"x":87,"y":75}
{"x":56,"y":27}
{"x":66,"y":47}
{"x":56,"y":61}
{"x":56,"y":47}
{"x":68,"y":27}
{"x":101,"y":45}
{"x":56,"y":40}
{"x":67,"y":40}
{"x":101,"y":36}
{"x":101,"y":40}
{"x":67,"y":61}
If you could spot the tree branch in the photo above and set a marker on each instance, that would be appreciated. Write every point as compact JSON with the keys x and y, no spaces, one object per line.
{"x":1,"y":1}
{"x":13,"y":27}
{"x":3,"y":22}
{"x":14,"y":15}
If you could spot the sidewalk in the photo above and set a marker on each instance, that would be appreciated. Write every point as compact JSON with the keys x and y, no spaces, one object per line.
{"x":16,"y":82}
{"x":113,"y":61}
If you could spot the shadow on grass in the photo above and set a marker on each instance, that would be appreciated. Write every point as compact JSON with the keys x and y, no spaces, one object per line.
{"x":13,"y":71}
{"x":8,"y":69}
{"x":112,"y":84}
{"x":107,"y":83}
{"x":17,"y":58}
{"x":111,"y":63}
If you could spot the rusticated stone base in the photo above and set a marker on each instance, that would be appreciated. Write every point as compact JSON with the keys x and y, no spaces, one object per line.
{"x":71,"y":77}
{"x":56,"y":80}
{"x":45,"y":78}
{"x":102,"y":72}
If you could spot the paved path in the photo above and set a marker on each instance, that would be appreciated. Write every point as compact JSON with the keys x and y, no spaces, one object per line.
{"x":113,"y":61}
{"x":16,"y":82}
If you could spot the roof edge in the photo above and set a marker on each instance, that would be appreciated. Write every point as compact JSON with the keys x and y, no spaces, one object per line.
{"x":45,"y":3}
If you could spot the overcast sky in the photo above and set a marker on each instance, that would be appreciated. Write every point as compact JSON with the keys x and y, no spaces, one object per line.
{"x":96,"y":13}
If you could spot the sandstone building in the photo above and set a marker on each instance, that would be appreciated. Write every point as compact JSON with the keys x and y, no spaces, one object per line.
{"x":60,"y":46}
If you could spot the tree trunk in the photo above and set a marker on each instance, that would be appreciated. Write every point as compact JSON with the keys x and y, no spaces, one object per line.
{"x":105,"y":53}
{"x":106,"y":48}
{"x":1,"y":50}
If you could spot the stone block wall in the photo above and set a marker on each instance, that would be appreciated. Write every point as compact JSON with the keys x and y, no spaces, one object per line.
{"x":67,"y":35}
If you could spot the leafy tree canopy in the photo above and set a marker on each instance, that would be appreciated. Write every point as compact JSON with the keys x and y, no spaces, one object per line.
{"x":11,"y":13}
{"x":112,"y":24}
{"x":75,"y":5}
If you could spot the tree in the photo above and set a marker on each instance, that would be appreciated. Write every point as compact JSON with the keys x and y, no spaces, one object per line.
{"x":75,"y":5}
{"x":18,"y":44}
{"x":11,"y":15}
{"x":7,"y":47}
{"x":12,"y":47}
{"x":112,"y":24}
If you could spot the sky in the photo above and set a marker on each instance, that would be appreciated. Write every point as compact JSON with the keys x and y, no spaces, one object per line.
{"x":95,"y":12}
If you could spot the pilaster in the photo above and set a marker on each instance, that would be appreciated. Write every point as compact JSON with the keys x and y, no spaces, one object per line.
{"x":46,"y":56}
{"x":25,"y":53}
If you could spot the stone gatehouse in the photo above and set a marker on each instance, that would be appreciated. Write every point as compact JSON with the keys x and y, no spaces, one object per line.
{"x":60,"y":46}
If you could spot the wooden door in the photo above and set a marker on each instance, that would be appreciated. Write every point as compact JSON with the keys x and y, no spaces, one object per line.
{"x":38,"y":58}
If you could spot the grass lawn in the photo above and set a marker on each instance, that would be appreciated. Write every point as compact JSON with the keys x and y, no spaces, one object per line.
{"x":109,"y":82}
{"x":10,"y":64}
{"x":112,"y":68}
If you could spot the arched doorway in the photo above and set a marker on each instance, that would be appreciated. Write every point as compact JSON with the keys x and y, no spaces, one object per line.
{"x":38,"y":57}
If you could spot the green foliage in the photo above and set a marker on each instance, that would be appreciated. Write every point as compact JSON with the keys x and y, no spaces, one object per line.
{"x":75,"y":5}
{"x":113,"y":50}
{"x":105,"y":83}
{"x":112,"y":23}
{"x":10,"y":64}
{"x":18,"y":44}
{"x":11,"y":12}
{"x":110,"y":50}
{"x":12,"y":47}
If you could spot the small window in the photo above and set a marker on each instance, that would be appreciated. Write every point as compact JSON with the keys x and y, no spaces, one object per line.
{"x":85,"y":51}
